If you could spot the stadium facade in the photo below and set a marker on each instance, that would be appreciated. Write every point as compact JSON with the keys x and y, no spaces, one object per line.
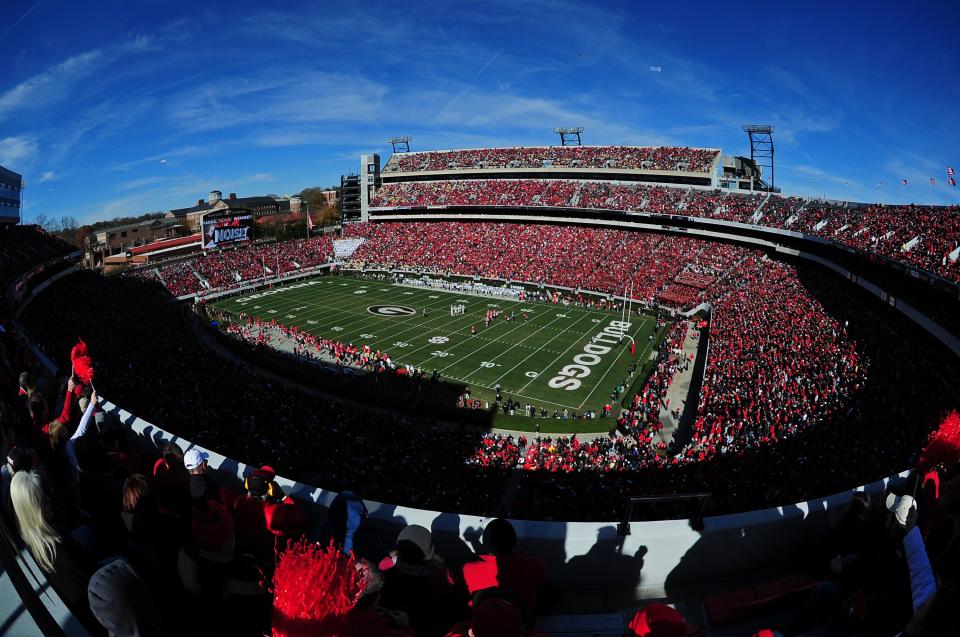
{"x":11,"y":196}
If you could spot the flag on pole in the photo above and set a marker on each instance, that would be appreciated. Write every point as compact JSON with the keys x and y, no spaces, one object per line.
{"x":951,"y":181}
{"x":951,"y":171}
{"x":903,"y":181}
{"x":309,"y":221}
{"x":933,"y":182}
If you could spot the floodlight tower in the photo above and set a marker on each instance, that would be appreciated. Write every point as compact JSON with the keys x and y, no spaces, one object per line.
{"x":569,"y":136}
{"x":761,"y":146}
{"x":400,"y":144}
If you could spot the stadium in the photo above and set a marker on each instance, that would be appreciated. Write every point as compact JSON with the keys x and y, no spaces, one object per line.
{"x":564,"y":389}
{"x":515,"y":343}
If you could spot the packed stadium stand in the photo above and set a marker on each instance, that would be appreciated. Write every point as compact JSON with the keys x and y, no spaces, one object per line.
{"x":923,"y":236}
{"x":699,"y":160}
{"x":143,"y":462}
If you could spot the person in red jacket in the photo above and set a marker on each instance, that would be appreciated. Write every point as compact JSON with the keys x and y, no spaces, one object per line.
{"x":252,"y":534}
{"x":516,"y":577}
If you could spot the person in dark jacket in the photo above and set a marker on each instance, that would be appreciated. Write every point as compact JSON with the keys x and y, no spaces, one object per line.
{"x":122,"y":603}
{"x":420,"y":585}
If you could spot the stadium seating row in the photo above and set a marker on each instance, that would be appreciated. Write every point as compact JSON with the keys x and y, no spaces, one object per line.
{"x":229,"y":268}
{"x":924,"y":236}
{"x":622,"y":157}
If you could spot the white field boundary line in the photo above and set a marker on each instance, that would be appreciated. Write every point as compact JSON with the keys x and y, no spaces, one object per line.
{"x":443,"y":327}
{"x":531,"y":334}
{"x":356,"y":307}
{"x":489,"y":341}
{"x":614,"y":362}
{"x":472,"y":318}
{"x":553,"y":362}
{"x":423,"y":296}
{"x":361,"y":321}
{"x":517,"y":395}
{"x":360,"y":324}
{"x":288,"y":302}
{"x":563,"y":333}
{"x":350,"y":309}
{"x":297,"y":297}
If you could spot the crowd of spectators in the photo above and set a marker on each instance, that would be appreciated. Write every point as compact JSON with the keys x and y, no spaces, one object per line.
{"x":923,"y":236}
{"x":891,"y":231}
{"x":123,"y":536}
{"x":23,"y":248}
{"x":770,"y":319}
{"x":563,"y":193}
{"x":598,"y":259}
{"x":623,"y":157}
{"x":219,"y":270}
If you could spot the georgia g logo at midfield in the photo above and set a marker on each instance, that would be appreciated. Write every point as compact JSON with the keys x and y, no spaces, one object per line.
{"x":391,"y":310}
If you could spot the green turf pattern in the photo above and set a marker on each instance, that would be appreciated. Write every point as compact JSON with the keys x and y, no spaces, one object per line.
{"x":522,"y":356}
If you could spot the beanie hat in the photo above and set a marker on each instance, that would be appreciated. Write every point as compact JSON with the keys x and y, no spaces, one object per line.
{"x":19,"y":459}
{"x":657,"y":620}
{"x":414,"y":545}
{"x":497,"y":618}
{"x":257,"y":486}
{"x":121,"y":602}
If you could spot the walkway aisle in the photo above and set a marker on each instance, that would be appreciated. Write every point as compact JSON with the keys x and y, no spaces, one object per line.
{"x":678,"y":393}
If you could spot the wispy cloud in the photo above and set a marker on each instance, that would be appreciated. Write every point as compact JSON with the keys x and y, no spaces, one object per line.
{"x":46,"y":176}
{"x":50,"y":86}
{"x":135,"y":184}
{"x":182,"y":151}
{"x":278,"y":96}
{"x":17,"y":150}
{"x":55,"y":84}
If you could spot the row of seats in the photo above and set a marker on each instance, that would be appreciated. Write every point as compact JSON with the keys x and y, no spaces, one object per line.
{"x":699,"y":160}
{"x":924,"y":236}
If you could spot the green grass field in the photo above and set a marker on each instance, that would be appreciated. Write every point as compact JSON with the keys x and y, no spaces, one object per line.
{"x":533,"y":360}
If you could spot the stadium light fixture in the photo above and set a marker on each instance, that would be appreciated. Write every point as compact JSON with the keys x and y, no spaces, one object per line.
{"x":569,"y":136}
{"x":761,"y":148}
{"x":400,"y":144}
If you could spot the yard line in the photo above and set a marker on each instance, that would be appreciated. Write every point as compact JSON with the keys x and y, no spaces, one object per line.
{"x":348,"y":308}
{"x":360,"y":324}
{"x":551,"y":363}
{"x":649,"y":343}
{"x":442,"y":327}
{"x":586,"y":314}
{"x":473,"y":319}
{"x":289,"y":301}
{"x":482,"y":347}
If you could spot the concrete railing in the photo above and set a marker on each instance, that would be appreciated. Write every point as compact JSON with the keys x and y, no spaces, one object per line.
{"x":657,"y":559}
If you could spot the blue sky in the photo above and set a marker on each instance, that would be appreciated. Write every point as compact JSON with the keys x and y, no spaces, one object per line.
{"x":119,"y":108}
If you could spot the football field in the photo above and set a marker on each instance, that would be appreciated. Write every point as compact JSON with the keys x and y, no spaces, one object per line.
{"x":560,"y":357}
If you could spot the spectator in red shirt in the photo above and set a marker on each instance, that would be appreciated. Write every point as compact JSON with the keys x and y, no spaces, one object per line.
{"x":517,"y":577}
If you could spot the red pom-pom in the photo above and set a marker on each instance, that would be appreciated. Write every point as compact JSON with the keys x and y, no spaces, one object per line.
{"x":314,"y":589}
{"x":943,"y":445}
{"x":79,"y":350}
{"x":83,"y":369}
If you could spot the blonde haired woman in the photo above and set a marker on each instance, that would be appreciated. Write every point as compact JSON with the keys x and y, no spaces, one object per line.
{"x":56,"y":554}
